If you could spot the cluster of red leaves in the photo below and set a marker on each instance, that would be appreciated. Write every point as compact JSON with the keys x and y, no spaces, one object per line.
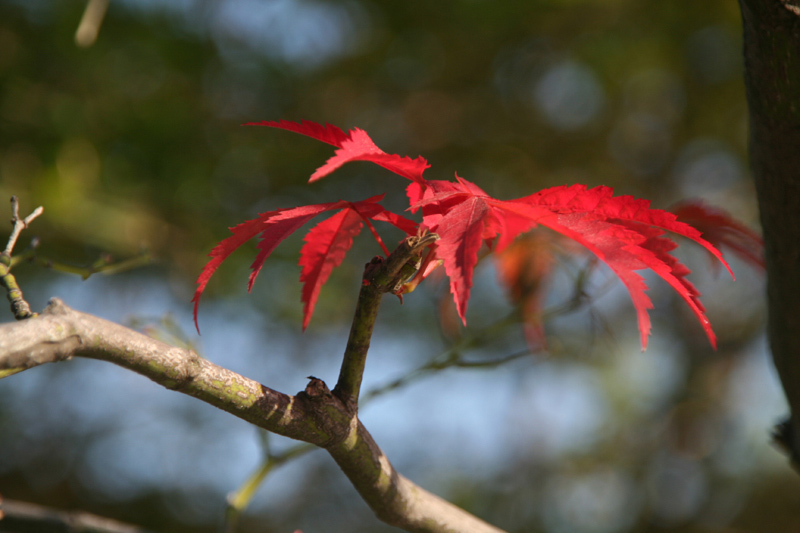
{"x":525,"y":267}
{"x":623,"y":232}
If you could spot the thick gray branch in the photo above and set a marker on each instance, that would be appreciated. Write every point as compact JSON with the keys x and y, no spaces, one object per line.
{"x":772,"y":76}
{"x":314,"y":415}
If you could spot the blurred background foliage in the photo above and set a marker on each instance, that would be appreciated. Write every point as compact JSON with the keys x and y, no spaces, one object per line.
{"x":135,"y":143}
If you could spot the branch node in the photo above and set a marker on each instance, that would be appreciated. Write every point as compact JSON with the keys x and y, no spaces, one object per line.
{"x":317,"y":388}
{"x":56,"y":306}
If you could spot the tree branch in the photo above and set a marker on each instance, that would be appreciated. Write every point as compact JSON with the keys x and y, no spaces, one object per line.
{"x":19,"y":306}
{"x":348,"y":386}
{"x":380,"y":276}
{"x":61,"y":333}
{"x":314,"y":415}
{"x":18,"y":516}
{"x":772,"y":78}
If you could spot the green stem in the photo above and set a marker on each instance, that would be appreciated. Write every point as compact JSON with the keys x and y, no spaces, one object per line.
{"x":238,"y":501}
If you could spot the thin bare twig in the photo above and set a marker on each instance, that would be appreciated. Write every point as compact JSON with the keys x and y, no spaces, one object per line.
{"x":19,"y":306}
{"x":19,"y":224}
{"x":92,"y":19}
{"x":241,"y":498}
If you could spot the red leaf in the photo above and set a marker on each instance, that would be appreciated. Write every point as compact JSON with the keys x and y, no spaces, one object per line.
{"x":369,"y":209}
{"x":721,"y":230}
{"x":325,"y":248}
{"x":461,"y":233}
{"x":619,"y":248}
{"x":524,"y":268}
{"x":626,"y":234}
{"x":464,"y":217}
{"x":599,"y":200}
{"x":623,"y":232}
{"x":275,"y":226}
{"x":353,"y":146}
{"x":327,"y":133}
{"x":400,"y":222}
{"x":359,"y":147}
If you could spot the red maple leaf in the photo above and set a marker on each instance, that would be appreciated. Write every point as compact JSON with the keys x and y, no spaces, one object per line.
{"x":327,"y":133}
{"x":625,"y":233}
{"x":353,"y":146}
{"x":720,"y":229}
{"x":524,"y":267}
{"x":325,"y":248}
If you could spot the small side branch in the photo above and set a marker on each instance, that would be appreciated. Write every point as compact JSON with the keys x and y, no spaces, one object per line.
{"x":792,"y":7}
{"x":19,"y":224}
{"x":92,"y":19}
{"x":380,"y":276}
{"x":355,"y":355}
{"x":19,"y":306}
{"x":240,"y":499}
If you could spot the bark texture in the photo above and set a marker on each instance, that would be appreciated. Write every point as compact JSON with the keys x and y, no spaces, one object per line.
{"x":772,"y":78}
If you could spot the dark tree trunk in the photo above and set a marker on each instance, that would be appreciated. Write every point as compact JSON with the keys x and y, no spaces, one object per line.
{"x":772,"y":77}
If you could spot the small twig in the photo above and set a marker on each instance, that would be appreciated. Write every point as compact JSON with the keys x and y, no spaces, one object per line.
{"x":444,"y":361}
{"x":239,"y":500}
{"x":92,"y":19}
{"x":19,"y":225}
{"x":793,"y":8}
{"x":103,"y":265}
{"x":380,"y":276}
{"x":19,"y":306}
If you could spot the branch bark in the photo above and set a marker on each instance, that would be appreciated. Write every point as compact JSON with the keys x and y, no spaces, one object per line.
{"x":772,"y":78}
{"x":314,"y":415}
{"x":18,"y":516}
{"x":380,"y":276}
